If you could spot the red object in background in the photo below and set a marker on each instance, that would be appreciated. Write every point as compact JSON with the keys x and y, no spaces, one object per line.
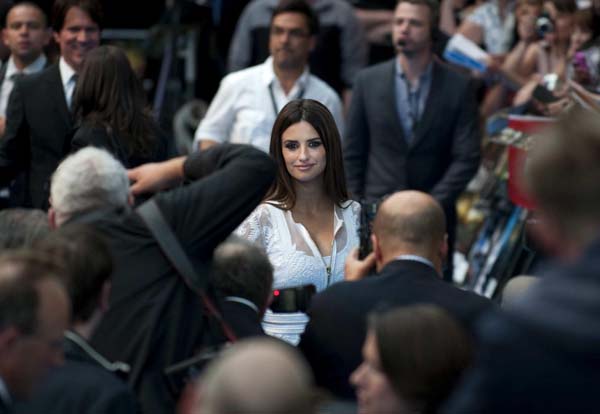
{"x":518,"y":156}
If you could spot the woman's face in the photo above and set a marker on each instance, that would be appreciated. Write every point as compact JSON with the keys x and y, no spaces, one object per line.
{"x":303,"y":152}
{"x":374,"y":391}
{"x":579,"y":37}
{"x":563,"y":24}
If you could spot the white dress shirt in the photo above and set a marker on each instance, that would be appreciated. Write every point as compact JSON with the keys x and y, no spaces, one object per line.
{"x":68,"y":78}
{"x":9,"y":81}
{"x":243,"y":110}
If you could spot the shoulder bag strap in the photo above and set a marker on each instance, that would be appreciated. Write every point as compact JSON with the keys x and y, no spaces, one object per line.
{"x":163,"y":234}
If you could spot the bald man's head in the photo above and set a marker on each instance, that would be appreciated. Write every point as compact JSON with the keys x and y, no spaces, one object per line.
{"x":411,"y":222}
{"x":257,"y":376}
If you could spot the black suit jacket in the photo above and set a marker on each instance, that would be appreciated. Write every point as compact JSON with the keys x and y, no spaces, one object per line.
{"x":441,"y":158}
{"x":82,"y":385}
{"x":154,"y":319}
{"x":334,"y":336}
{"x":38,"y":131}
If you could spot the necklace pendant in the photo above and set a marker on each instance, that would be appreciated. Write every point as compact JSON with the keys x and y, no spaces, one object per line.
{"x":328,"y":269}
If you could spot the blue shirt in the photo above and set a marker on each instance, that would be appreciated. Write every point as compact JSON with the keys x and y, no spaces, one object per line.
{"x":410,"y":101}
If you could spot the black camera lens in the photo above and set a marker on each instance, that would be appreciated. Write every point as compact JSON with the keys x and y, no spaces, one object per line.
{"x":544,"y":24}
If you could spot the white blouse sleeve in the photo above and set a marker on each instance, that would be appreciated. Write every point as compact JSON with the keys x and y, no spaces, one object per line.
{"x":257,"y":228}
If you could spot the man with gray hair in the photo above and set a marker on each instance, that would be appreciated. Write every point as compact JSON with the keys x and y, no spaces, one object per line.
{"x":154,"y":320}
{"x":87,"y":180}
{"x":230,"y":384}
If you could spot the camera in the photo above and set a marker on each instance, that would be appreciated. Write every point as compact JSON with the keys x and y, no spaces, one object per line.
{"x":544,"y":24}
{"x":294,"y":299}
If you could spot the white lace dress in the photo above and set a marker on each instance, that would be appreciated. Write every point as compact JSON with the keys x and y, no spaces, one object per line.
{"x":296,"y":259}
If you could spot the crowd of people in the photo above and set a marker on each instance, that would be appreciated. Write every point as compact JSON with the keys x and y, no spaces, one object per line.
{"x":245,"y":276}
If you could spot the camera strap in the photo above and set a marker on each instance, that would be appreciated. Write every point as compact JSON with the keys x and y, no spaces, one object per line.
{"x":150,"y":213}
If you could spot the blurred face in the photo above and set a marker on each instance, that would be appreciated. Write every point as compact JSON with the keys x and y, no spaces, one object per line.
{"x":563,"y":24}
{"x":26,"y":33}
{"x":373,"y":390}
{"x":78,"y":36}
{"x":411,"y":29}
{"x":579,"y":37}
{"x":290,"y":41}
{"x":303,"y":152}
{"x":34,"y":355}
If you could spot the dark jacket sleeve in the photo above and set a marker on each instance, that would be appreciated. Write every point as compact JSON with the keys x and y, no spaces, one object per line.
{"x":466,"y":150}
{"x":357,"y":142}
{"x":15,"y":149}
{"x":229,"y":181}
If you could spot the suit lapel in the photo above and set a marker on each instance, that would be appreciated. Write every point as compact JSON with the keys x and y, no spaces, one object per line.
{"x":433,"y":105}
{"x":57,"y":93}
{"x":390,"y":104}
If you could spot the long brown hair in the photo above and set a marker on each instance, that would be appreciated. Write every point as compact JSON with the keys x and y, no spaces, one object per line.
{"x":334,"y":178}
{"x":110,"y":95}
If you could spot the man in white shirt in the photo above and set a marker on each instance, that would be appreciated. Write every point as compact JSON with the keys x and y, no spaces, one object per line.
{"x":248,"y":101}
{"x":25,"y":34}
{"x":38,"y":119}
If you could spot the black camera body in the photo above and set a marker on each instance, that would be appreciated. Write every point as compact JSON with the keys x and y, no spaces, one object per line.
{"x":544,"y":24}
{"x":294,"y":299}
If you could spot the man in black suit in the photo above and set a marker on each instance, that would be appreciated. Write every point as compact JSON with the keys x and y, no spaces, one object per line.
{"x":155,"y":320}
{"x":412,"y":123}
{"x":541,"y":355}
{"x":243,"y":277}
{"x":86,"y":382}
{"x":25,"y":34}
{"x":38,"y":121}
{"x":34,"y":312}
{"x":409,"y":245}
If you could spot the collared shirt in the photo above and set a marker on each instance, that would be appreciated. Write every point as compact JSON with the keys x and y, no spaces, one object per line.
{"x":243,"y":301}
{"x":242,"y":110}
{"x":410,"y":100}
{"x":9,"y":81}
{"x":68,"y":80}
{"x":4,"y":394}
{"x":415,"y":258}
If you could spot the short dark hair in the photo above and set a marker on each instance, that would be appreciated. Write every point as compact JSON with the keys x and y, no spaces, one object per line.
{"x":563,"y":174}
{"x":317,"y":115}
{"x":92,"y":8}
{"x":20,"y":227}
{"x":242,"y":269}
{"x":565,"y":6}
{"x":423,"y":352}
{"x":26,"y":4}
{"x":109,"y":95}
{"x":434,"y":11}
{"x":301,"y":7}
{"x":88,"y":264}
{"x":20,"y":272}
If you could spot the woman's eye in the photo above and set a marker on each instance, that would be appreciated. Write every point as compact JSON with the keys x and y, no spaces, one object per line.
{"x":291,"y":145}
{"x":314,"y":144}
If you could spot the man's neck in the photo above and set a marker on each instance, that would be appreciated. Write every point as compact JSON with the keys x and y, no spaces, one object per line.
{"x":86,"y":329}
{"x":389,"y":257}
{"x":414,"y":66}
{"x":287,"y":77}
{"x":21,"y":64}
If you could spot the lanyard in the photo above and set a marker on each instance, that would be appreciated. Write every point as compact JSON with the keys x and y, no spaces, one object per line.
{"x":274,"y":102}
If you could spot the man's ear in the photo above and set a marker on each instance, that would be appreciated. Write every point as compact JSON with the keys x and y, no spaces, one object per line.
{"x":8,"y":338}
{"x":52,"y":218}
{"x":443,"y":250}
{"x":105,"y":296}
{"x":377,"y":250}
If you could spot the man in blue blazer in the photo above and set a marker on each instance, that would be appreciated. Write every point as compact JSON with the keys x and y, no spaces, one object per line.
{"x":413,"y":121}
{"x":38,"y":119}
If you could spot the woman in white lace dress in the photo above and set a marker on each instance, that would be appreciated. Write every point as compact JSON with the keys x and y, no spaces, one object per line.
{"x":307,"y":225}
